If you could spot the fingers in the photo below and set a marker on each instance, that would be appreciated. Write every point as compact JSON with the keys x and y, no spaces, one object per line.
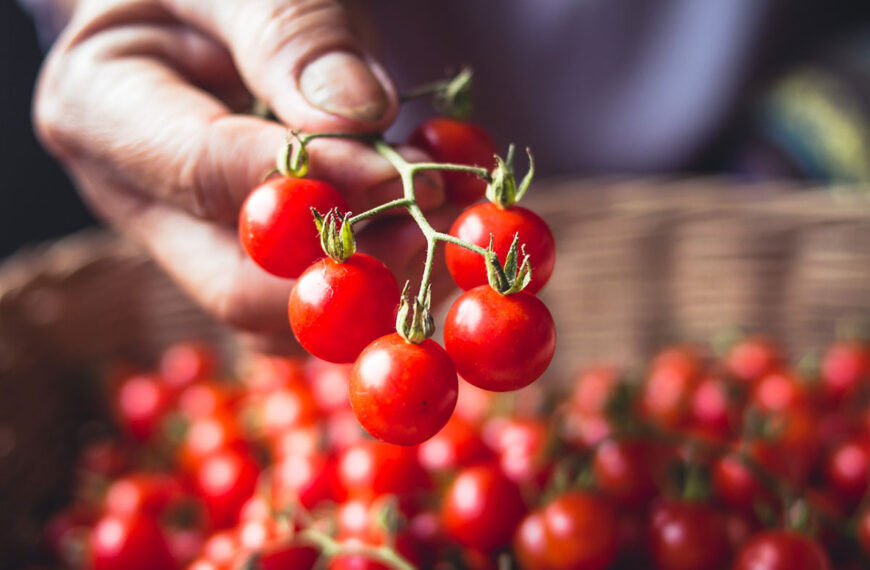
{"x":302,"y":57}
{"x":120,"y":97}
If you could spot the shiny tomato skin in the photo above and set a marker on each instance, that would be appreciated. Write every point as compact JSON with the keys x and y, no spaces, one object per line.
{"x":369,"y":469}
{"x":276,"y":226}
{"x":142,"y":493}
{"x":403,"y":393}
{"x":845,"y":369}
{"x":336,"y":309}
{"x":753,"y":357}
{"x":499,"y":342}
{"x":449,"y":140}
{"x":530,"y":543}
{"x":475,"y":225}
{"x":129,"y":543}
{"x":847,"y":469}
{"x":687,"y":535}
{"x":625,"y":471}
{"x":482,"y":508}
{"x":781,"y":550}
{"x":142,"y":401}
{"x":582,"y":531}
{"x":224,"y":481}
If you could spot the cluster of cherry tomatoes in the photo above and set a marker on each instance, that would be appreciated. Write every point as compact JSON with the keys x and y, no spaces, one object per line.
{"x":343,"y":306}
{"x":696,"y":462}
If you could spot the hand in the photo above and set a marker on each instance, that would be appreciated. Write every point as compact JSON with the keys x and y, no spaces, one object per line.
{"x":140,"y":100}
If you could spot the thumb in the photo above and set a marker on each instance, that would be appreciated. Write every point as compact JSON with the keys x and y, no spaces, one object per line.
{"x":301,"y":57}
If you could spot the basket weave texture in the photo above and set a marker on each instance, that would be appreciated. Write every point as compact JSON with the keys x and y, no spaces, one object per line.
{"x":640,"y":263}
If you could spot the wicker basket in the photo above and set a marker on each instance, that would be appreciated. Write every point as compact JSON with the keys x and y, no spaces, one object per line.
{"x":640,"y":263}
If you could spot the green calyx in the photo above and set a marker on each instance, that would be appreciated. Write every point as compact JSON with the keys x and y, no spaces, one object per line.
{"x":414,"y":322}
{"x":293,"y":157}
{"x":336,"y":239}
{"x":454,"y":99}
{"x":515,"y":275}
{"x":503,"y":189}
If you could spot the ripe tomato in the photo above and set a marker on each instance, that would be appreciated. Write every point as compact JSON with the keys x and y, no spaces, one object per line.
{"x":276,"y":227}
{"x":457,"y":445}
{"x":712,"y":409}
{"x":224,"y":481}
{"x":403,"y":393}
{"x":521,"y":444}
{"x":184,"y":363}
{"x":499,"y":342}
{"x":449,"y":140}
{"x":845,"y":369}
{"x":687,"y":536}
{"x":778,"y":392}
{"x":736,"y":486}
{"x":482,"y":508}
{"x":530,"y":543}
{"x":665,"y":395}
{"x":475,"y":225}
{"x":205,"y":436}
{"x":594,"y":389}
{"x":753,"y":357}
{"x":129,"y":543}
{"x":370,"y":469}
{"x":142,"y":493}
{"x":781,"y":550}
{"x":626,"y":471}
{"x":142,"y":401}
{"x":848,"y":468}
{"x":576,"y":514}
{"x":290,"y":406}
{"x":337,"y":309}
{"x":306,"y":479}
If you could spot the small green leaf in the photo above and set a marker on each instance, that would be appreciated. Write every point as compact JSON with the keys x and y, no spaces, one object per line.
{"x":318,"y":219}
{"x":527,"y":179}
{"x":510,"y":262}
{"x":348,"y":241}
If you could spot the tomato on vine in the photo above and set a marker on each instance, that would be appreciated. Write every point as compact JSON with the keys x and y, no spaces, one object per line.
{"x":575,"y":514}
{"x":458,"y":142}
{"x":134,"y":542}
{"x":781,"y":550}
{"x":276,"y":227}
{"x":687,"y":535}
{"x":499,"y":342}
{"x":401,"y":392}
{"x":476,"y":224}
{"x":337,"y":308}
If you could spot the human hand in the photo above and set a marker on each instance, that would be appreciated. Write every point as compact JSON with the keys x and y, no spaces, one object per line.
{"x":140,"y":99}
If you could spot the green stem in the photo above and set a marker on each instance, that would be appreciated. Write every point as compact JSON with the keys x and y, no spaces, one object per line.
{"x":331,"y":548}
{"x":397,"y":203}
{"x":439,"y":236}
{"x":476,"y":170}
{"x":423,"y":90}
{"x":306,"y":138}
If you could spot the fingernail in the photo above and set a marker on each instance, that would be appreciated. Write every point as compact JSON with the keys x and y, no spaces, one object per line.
{"x":342,"y":84}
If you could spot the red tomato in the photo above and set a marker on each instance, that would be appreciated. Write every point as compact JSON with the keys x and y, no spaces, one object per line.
{"x":449,"y":140}
{"x":687,"y":536}
{"x":777,"y":392}
{"x":187,"y":362}
{"x":625,"y":471}
{"x":581,"y":532}
{"x":286,"y":556}
{"x":457,"y":445}
{"x":276,"y":227}
{"x":205,"y":436}
{"x":499,"y":342}
{"x":142,"y":493}
{"x":845,"y":369}
{"x":328,"y":383}
{"x":370,"y":469}
{"x":665,"y":396}
{"x":594,"y":389}
{"x":712,"y":410}
{"x":476,"y":224}
{"x":307,"y":479}
{"x":848,"y":468}
{"x":129,"y":543}
{"x":142,"y":402}
{"x":203,"y":399}
{"x":224,"y":481}
{"x":403,"y":393}
{"x":521,"y":444}
{"x":337,"y":309}
{"x":266,"y":373}
{"x":781,"y":550}
{"x":221,"y":548}
{"x":735,"y":485}
{"x":530,"y":543}
{"x":482,"y":508}
{"x":753,"y":357}
{"x":287,"y":407}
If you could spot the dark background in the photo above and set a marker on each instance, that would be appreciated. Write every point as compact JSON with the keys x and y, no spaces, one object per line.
{"x":37,"y":201}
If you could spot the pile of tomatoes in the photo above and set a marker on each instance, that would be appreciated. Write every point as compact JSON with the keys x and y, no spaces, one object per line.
{"x":739,"y":461}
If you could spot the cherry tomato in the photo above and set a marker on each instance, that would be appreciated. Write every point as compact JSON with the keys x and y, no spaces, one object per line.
{"x":847,"y":469}
{"x":224,"y":481}
{"x":576,"y":514}
{"x":458,"y":444}
{"x":276,"y":227}
{"x":626,"y":472}
{"x":337,"y":309}
{"x":306,"y":479}
{"x":665,"y":396}
{"x":142,"y":493}
{"x":499,"y":342}
{"x":845,"y":370}
{"x":142,"y":402}
{"x":521,"y":445}
{"x":753,"y":357}
{"x":184,"y":363}
{"x":403,"y":393}
{"x":370,"y":469}
{"x":736,"y":486}
{"x":475,"y":225}
{"x":449,"y":140}
{"x":712,"y":409}
{"x":221,"y":548}
{"x":781,"y":550}
{"x":530,"y":543}
{"x":482,"y":508}
{"x":777,"y":392}
{"x":290,"y":406}
{"x":205,"y":436}
{"x":129,"y":543}
{"x":687,"y":536}
{"x":594,"y":389}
